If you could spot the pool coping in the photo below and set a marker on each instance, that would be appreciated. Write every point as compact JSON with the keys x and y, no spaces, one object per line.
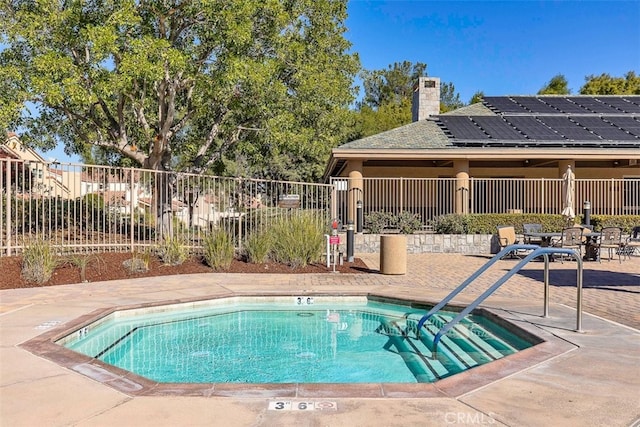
{"x":549,"y":347}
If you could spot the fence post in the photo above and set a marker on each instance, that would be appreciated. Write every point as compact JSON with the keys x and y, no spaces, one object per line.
{"x":7,"y":188}
{"x":131,"y":208}
{"x":612,"y":200}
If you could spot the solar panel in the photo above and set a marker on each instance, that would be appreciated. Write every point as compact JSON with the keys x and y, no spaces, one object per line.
{"x":566,"y":127}
{"x":534,"y":105}
{"x":503,"y":104}
{"x":623,"y":121}
{"x":614,"y":134}
{"x":594,"y":105}
{"x":626,"y":123}
{"x":621,"y":104}
{"x":462,"y":127}
{"x":604,"y":129}
{"x":497,"y":128}
{"x":533,"y":128}
{"x":564,"y":105}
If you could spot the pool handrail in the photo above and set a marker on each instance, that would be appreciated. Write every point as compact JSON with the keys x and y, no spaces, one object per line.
{"x":504,"y":252}
{"x":537,"y":251}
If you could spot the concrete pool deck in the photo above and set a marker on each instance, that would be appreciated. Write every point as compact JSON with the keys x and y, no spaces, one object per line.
{"x":590,"y":378}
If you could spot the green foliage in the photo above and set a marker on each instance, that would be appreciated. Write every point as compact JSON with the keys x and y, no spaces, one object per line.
{"x":625,"y":222}
{"x":38,"y":261}
{"x":173,"y":251}
{"x":139,"y":263}
{"x":477,"y":97}
{"x":218,"y":250}
{"x":387,"y":116}
{"x":387,"y":99}
{"x":196,"y":85}
{"x":82,"y":261}
{"x":449,"y":98}
{"x":377,"y":221}
{"x":605,"y":84}
{"x":451,"y":224}
{"x":407,"y":222}
{"x":393,"y":85}
{"x":558,"y":85}
{"x":298,"y":239}
{"x":258,"y":246}
{"x":487,"y":223}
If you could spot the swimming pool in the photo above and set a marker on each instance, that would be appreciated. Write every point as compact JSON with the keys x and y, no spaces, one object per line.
{"x":292,"y":339}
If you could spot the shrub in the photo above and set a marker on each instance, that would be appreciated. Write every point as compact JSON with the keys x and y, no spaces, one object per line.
{"x":376,"y":221}
{"x":407,"y":222}
{"x":139,"y":263}
{"x":450,"y":224}
{"x":82,"y":261}
{"x":172,"y":251}
{"x":258,"y":246}
{"x":298,"y":240}
{"x":218,"y":250}
{"x":38,"y":261}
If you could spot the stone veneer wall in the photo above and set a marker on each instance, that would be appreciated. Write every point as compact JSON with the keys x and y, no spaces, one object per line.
{"x":429,"y":243}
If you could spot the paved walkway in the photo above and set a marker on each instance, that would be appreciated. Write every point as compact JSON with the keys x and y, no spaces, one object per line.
{"x":588,"y":378}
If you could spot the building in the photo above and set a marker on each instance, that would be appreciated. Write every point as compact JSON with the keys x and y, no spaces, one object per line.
{"x":502,"y":137}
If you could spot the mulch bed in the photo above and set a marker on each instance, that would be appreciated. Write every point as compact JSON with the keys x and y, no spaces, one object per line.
{"x":110,"y":266}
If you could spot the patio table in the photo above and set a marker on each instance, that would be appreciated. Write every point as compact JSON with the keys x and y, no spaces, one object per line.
{"x":545,"y":237}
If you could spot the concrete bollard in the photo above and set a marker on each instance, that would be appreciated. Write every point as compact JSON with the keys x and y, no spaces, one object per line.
{"x":393,"y":254}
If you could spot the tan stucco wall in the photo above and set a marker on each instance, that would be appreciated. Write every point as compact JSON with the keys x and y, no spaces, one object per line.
{"x":547,"y":172}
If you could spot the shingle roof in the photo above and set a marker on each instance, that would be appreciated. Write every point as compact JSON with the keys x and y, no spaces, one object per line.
{"x":477,"y":109}
{"x":417,"y":135}
{"x":437,"y":132}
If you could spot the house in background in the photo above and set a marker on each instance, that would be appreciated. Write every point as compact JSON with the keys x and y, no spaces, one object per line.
{"x":504,"y":137}
{"x":45,"y":180}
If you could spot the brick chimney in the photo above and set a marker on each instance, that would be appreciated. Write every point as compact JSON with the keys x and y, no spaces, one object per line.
{"x":426,"y":98}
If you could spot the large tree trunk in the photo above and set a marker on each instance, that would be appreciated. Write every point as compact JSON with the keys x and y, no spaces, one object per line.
{"x":163,"y":195}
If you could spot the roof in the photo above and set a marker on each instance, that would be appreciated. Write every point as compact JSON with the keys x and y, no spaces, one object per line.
{"x":520,"y":121}
{"x":417,"y":135}
{"x":530,"y":124}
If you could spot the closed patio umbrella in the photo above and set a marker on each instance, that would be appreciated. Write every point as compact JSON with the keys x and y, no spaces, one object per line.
{"x":568,"y":194}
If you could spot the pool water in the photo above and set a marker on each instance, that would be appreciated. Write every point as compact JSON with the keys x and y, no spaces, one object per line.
{"x":331,"y":342}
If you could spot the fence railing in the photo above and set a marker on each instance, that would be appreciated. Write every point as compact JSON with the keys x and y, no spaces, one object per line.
{"x":80,"y":208}
{"x":429,"y":198}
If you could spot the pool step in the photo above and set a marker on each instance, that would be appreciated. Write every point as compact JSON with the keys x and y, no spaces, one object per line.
{"x":463,"y":347}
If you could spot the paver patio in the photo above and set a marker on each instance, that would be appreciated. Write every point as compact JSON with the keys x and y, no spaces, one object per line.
{"x":594,"y":377}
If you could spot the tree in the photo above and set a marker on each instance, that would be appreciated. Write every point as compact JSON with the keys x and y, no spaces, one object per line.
{"x":386,"y":103}
{"x":393,"y":85}
{"x":477,"y":97}
{"x":558,"y":85}
{"x":449,"y":98}
{"x":168,"y":83}
{"x":388,"y":116}
{"x":604,"y":84}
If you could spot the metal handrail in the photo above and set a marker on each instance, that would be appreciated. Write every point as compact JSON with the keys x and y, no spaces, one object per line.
{"x":507,"y":250}
{"x":537,"y":251}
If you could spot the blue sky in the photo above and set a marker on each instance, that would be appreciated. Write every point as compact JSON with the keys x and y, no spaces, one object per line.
{"x":499,"y":47}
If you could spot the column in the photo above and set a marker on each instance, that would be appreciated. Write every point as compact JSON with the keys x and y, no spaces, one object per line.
{"x":461,"y":169}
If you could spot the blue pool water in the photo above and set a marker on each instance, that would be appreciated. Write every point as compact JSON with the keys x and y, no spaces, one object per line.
{"x":356,"y":341}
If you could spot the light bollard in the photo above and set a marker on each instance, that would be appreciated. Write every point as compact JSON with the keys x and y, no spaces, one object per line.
{"x":359,"y":216}
{"x":586,"y":208}
{"x":350,"y":241}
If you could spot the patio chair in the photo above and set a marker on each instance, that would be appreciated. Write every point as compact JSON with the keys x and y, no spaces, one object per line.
{"x":532,"y":228}
{"x":571,"y":238}
{"x":610,"y":239}
{"x":632,"y":243}
{"x":506,"y":237}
